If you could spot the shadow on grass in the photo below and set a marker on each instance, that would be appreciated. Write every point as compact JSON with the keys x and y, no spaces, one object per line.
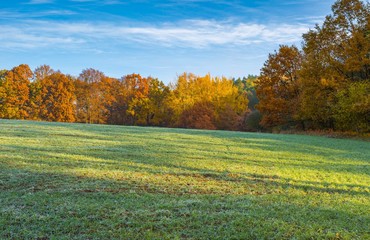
{"x":158,"y":176}
{"x":332,"y":149}
{"x":46,"y":205}
{"x":158,"y":161}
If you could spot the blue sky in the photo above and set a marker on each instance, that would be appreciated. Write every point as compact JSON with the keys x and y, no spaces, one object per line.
{"x":158,"y":38}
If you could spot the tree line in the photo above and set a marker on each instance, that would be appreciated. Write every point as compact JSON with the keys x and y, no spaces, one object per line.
{"x":326,"y":85}
{"x":323,"y":85}
{"x":192,"y":102}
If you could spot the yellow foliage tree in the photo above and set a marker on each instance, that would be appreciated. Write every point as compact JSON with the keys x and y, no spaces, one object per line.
{"x":225,"y":98}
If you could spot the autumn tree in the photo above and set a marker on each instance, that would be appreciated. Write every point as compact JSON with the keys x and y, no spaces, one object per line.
{"x":2,"y":91}
{"x":117,"y":110}
{"x":336,"y":58}
{"x":107,"y":89}
{"x":158,"y":110}
{"x":230,"y":104}
{"x":277,"y":87}
{"x":14,"y":92}
{"x":136,"y":93}
{"x":35,"y":102}
{"x":42,"y":72}
{"x":183,"y":96}
{"x":200,"y":116}
{"x":220,"y":93}
{"x":90,"y":104}
{"x":82,"y":91}
{"x":57,"y":94}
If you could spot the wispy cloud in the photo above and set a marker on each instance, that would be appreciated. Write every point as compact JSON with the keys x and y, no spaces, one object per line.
{"x":190,"y":33}
{"x":100,"y":2}
{"x":82,"y":0}
{"x":36,"y":14}
{"x":296,"y":2}
{"x":311,"y":19}
{"x":18,"y":39}
{"x":40,"y":1}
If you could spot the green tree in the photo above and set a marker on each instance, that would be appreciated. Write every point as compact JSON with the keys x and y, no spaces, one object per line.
{"x":352,"y":111}
{"x":246,"y":85}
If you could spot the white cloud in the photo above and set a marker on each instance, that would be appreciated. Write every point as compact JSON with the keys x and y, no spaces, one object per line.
{"x":190,"y":33}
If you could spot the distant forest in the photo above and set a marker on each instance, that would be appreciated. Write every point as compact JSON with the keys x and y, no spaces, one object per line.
{"x":322,"y":85}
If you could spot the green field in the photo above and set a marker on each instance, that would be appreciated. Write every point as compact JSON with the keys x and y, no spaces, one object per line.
{"x":75,"y":181}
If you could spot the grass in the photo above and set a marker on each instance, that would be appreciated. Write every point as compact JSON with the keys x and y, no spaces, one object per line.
{"x":75,"y":181}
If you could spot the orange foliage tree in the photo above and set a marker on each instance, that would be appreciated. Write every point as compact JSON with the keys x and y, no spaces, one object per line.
{"x":35,"y":102}
{"x":58,"y":99}
{"x":14,"y":92}
{"x":136,"y":98}
{"x":200,"y":116}
{"x":94,"y":96}
{"x":278,"y":88}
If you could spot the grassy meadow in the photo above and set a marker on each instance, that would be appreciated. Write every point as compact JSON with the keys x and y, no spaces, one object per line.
{"x":76,"y":181}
